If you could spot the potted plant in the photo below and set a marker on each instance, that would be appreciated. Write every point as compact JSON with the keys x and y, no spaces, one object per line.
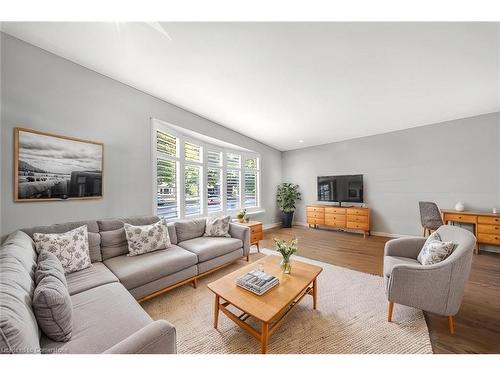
{"x":286,"y":249}
{"x":286,"y":197}
{"x":242,"y":216}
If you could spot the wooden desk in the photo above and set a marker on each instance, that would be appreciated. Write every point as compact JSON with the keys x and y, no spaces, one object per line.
{"x":486,"y":225}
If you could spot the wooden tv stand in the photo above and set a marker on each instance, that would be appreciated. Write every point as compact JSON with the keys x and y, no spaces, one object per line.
{"x":355,"y":218}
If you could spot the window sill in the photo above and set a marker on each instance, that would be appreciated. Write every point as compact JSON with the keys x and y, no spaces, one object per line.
{"x":250,"y":211}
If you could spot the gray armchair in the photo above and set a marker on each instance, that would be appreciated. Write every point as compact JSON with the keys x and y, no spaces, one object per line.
{"x":437,"y":288}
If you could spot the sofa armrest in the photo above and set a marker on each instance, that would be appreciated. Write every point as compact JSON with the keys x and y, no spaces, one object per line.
{"x":157,"y":337}
{"x":408,"y":247}
{"x":241,"y":232}
{"x":423,"y":287}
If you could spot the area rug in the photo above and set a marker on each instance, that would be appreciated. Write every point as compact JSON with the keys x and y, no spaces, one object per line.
{"x":351,"y":318}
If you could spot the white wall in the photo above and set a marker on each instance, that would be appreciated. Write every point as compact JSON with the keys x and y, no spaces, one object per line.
{"x":45,"y":92}
{"x":445,"y":163}
{"x":457,"y":160}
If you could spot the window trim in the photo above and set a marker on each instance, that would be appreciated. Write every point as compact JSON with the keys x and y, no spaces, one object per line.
{"x":159,"y":125}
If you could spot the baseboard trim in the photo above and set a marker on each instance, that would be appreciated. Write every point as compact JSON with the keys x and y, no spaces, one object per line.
{"x":373,"y":233}
{"x":271,"y":225}
{"x":300,"y":223}
{"x":391,"y":235}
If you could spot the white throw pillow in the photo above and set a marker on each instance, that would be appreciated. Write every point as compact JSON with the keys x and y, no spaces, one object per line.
{"x":71,"y":248}
{"x":434,"y":250}
{"x":217,"y":226}
{"x":147,"y":238}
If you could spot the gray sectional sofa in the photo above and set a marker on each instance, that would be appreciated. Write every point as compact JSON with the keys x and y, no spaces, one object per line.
{"x":106,"y":315}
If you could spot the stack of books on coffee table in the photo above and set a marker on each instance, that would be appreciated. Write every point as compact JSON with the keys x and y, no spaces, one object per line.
{"x":257,"y":282}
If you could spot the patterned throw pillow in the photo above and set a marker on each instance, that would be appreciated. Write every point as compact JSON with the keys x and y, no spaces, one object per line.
{"x":71,"y":248}
{"x":146,"y":238}
{"x":434,"y":250}
{"x":217,"y":226}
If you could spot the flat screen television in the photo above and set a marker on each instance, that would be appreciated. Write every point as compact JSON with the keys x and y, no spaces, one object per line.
{"x":341,"y":188}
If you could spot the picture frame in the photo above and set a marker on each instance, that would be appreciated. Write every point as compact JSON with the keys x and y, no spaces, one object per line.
{"x":52,"y":167}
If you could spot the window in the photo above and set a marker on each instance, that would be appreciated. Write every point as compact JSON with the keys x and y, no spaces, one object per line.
{"x":167,"y":188}
{"x":214,"y":158}
{"x":214,"y":181}
{"x":166,"y":144}
{"x":193,"y":178}
{"x":214,"y":189}
{"x":233,"y":193}
{"x":251,"y":182}
{"x":250,"y":189}
{"x":192,"y":195}
{"x":233,"y":160}
{"x":166,"y":175}
{"x":251,"y":163}
{"x":233,"y":189}
{"x":192,"y":152}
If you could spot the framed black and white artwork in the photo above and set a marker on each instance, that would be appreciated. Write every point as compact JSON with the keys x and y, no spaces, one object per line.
{"x":56,"y":167}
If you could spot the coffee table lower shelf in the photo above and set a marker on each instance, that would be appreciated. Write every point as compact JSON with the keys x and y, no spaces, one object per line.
{"x":267,"y":328}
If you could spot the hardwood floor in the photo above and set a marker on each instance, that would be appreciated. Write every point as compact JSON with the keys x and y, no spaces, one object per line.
{"x":477,"y":324}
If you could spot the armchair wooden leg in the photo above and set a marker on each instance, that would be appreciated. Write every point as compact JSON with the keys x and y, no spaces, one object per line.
{"x":424,"y":231}
{"x":389,"y":311}
{"x":451,"y":325}
{"x":195,"y":283}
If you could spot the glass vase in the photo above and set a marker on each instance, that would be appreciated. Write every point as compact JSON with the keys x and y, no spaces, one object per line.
{"x":286,"y":266}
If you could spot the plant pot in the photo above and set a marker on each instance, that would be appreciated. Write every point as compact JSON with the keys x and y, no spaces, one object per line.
{"x":286,"y":219}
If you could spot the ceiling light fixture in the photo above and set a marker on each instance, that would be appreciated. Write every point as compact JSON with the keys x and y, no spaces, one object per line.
{"x":301,"y":141}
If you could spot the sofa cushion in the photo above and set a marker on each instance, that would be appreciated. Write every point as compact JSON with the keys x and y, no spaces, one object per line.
{"x":219,"y":261}
{"x":49,"y":265}
{"x":211,"y":247}
{"x":113,"y":243}
{"x":71,"y":248}
{"x":102,"y":317}
{"x":217,"y":226}
{"x":142,"y":269}
{"x":390,"y":262}
{"x":96,"y":275}
{"x":19,"y":331}
{"x":113,"y":238}
{"x":189,"y":229}
{"x":93,"y":235}
{"x":435,"y":250}
{"x":53,"y":309}
{"x":144,"y":239}
{"x":117,"y":223}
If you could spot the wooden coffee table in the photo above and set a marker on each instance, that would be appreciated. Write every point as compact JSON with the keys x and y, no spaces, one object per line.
{"x":271,"y":308}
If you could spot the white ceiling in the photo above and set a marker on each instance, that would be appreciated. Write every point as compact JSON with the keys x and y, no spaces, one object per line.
{"x":281,"y":83}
